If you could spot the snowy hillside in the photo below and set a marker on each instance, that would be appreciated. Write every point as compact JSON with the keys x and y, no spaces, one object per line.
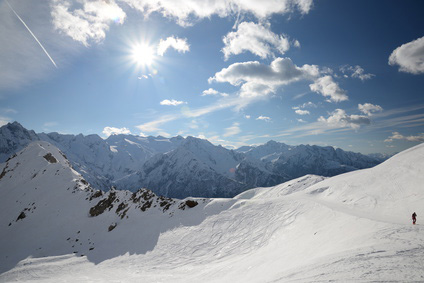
{"x":352,"y":227}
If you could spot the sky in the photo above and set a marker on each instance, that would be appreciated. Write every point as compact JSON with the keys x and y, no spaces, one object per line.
{"x":348,"y":74}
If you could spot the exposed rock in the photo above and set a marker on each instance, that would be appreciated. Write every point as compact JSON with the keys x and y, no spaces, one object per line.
{"x":191,"y":203}
{"x":96,"y":195}
{"x":21,"y":216}
{"x":112,"y":226}
{"x":50,"y":158}
{"x":102,"y":205}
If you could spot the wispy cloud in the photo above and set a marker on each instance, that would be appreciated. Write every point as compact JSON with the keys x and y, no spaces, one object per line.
{"x":4,"y":120}
{"x":264,"y":118}
{"x":302,"y":112}
{"x":213,"y":92}
{"x":233,"y":130}
{"x":356,"y":72}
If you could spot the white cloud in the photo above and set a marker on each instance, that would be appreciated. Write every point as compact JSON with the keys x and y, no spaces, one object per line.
{"x":187,"y":12}
{"x":281,"y":71}
{"x":233,"y":130}
{"x":264,"y":118}
{"x":409,"y":57}
{"x":172,"y":102}
{"x":87,"y":20}
{"x":247,"y":116}
{"x":256,"y":38}
{"x":339,"y":118}
{"x":214,"y":92}
{"x":179,"y":44}
{"x":328,"y":87}
{"x":398,"y":136}
{"x":107,"y":131}
{"x":302,"y":112}
{"x":356,"y":72}
{"x":369,"y":108}
{"x":301,"y":120}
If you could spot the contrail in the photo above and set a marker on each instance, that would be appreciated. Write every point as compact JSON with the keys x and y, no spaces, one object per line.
{"x":45,"y":51}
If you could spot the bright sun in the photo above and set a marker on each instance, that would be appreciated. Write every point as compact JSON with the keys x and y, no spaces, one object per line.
{"x":143,"y":54}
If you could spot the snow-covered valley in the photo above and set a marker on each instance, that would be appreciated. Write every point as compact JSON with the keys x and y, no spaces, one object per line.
{"x":351,"y":227}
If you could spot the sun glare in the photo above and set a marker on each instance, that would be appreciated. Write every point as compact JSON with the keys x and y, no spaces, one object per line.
{"x":143,"y":54}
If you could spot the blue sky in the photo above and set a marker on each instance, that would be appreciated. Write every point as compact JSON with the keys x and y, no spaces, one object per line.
{"x":348,"y":74}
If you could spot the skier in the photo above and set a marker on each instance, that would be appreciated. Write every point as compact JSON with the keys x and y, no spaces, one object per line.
{"x":414,"y":218}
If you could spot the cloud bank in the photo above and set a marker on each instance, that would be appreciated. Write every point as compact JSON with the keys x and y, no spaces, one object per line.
{"x":398,"y":136}
{"x":339,"y":118}
{"x":409,"y":57}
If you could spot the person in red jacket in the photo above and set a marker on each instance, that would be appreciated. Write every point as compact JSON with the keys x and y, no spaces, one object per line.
{"x":414,"y":218}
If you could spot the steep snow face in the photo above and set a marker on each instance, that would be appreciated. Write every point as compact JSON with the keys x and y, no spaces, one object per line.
{"x":14,"y":137}
{"x":196,"y":168}
{"x":268,"y":152}
{"x":355,"y":226}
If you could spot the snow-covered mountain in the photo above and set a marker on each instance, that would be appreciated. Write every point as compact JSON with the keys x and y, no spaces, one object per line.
{"x":351,"y":227}
{"x":13,"y":138}
{"x":195,"y":168}
{"x":297,"y":161}
{"x":180,"y":167}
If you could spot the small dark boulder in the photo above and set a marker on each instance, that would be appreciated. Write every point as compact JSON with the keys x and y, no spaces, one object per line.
{"x":21,"y":216}
{"x":50,"y":158}
{"x":191,"y":203}
{"x":112,"y":226}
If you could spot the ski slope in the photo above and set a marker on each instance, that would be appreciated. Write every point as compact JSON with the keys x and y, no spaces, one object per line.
{"x":352,"y":227}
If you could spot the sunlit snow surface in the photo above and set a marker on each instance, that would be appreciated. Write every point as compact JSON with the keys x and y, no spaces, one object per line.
{"x":353,"y":227}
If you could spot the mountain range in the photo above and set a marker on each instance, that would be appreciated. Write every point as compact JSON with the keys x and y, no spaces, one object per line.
{"x":180,"y":167}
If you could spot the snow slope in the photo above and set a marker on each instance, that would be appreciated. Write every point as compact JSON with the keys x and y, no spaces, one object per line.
{"x":352,"y":227}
